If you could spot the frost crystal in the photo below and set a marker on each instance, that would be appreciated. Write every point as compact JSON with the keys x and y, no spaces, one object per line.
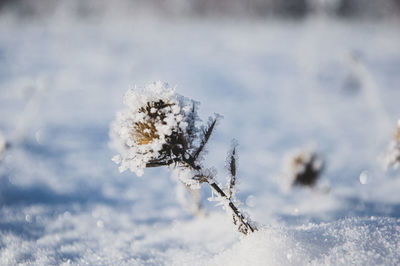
{"x":185,"y":175}
{"x":150,"y":129}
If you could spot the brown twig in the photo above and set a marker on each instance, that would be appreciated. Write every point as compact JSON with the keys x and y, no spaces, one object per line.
{"x":236,"y":211}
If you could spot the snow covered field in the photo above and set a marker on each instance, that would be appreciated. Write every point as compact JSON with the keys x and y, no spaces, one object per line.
{"x":280,"y":85}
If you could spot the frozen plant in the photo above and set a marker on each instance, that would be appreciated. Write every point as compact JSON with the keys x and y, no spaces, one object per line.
{"x":392,"y":157}
{"x":160,"y":128}
{"x":304,"y":168}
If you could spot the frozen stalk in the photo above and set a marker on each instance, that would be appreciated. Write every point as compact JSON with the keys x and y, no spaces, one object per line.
{"x":160,"y":128}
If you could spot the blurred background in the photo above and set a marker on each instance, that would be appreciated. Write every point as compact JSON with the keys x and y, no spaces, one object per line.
{"x":205,"y":8}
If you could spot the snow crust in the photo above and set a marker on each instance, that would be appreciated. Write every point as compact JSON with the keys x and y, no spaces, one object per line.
{"x":351,"y":241}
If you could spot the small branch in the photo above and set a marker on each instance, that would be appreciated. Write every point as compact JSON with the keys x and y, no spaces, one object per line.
{"x":237,"y":215}
{"x":235,"y":210}
{"x":159,"y":163}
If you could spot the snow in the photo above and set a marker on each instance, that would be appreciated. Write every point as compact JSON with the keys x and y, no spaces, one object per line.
{"x":352,"y":241}
{"x":280,"y":85}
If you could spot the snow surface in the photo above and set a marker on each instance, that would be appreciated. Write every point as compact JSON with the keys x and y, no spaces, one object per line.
{"x":280,"y":85}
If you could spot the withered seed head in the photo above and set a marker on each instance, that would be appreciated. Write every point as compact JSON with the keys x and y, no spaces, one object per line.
{"x":145,"y":132}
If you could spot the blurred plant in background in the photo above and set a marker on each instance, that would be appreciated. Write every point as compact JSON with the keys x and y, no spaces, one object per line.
{"x":205,"y":8}
{"x":392,"y":157}
{"x":302,"y":168}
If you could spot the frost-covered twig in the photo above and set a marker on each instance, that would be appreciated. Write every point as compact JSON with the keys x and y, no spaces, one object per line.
{"x":232,"y":158}
{"x":243,"y":223}
{"x":159,"y":128}
{"x":206,"y":134}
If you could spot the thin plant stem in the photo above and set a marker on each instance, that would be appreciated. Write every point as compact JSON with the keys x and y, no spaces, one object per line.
{"x":237,"y":214}
{"x":235,"y":210}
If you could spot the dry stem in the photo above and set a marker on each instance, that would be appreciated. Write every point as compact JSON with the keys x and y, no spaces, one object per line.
{"x":244,"y":226}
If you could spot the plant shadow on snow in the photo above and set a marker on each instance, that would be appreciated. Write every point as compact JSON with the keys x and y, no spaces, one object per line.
{"x":56,"y":141}
{"x":42,"y":194}
{"x":357,"y":207}
{"x":71,"y":152}
{"x":55,"y":151}
{"x":22,"y":229}
{"x":350,"y":207}
{"x":59,"y":148}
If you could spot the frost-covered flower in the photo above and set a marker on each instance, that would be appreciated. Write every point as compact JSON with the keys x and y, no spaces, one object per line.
{"x":304,"y":168}
{"x":153,"y":130}
{"x":392,"y":157}
{"x":159,"y":128}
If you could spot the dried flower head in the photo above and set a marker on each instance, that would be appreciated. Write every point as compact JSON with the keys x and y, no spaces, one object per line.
{"x":392,"y":157}
{"x":305,"y":167}
{"x":146,"y":131}
{"x":153,"y":129}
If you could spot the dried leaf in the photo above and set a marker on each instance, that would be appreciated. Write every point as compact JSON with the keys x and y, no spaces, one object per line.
{"x":232,"y":170}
